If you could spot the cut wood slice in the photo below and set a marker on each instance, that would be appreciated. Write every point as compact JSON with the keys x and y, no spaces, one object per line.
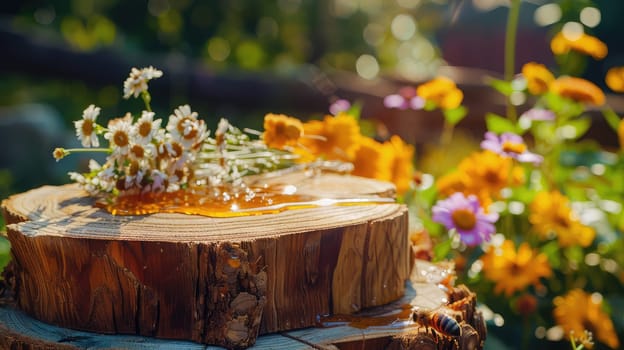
{"x":209,"y":280}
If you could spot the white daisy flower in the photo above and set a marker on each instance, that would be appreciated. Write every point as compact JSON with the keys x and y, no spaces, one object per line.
{"x":136,"y":82}
{"x":60,"y":153}
{"x":134,"y":175}
{"x":158,"y":182}
{"x":118,"y":134}
{"x":222,"y":127}
{"x":107,"y":178}
{"x":145,"y":128}
{"x":140,"y":152}
{"x":87,"y":184}
{"x":85,"y":128}
{"x":94,"y":165}
{"x":184,"y":127}
{"x":150,"y":73}
{"x":171,"y":149}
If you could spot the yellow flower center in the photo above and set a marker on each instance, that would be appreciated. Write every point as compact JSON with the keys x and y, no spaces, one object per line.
{"x":121,"y":138}
{"x":176,"y":150}
{"x":133,"y":169}
{"x":514,"y":147}
{"x":138,"y":151}
{"x":145,"y":128}
{"x":87,"y":127}
{"x":464,"y":219}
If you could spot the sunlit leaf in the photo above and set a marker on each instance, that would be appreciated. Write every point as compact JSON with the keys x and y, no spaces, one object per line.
{"x":355,"y":110}
{"x":612,"y":118}
{"x":455,"y":115}
{"x":551,"y":250}
{"x":499,"y":124}
{"x":502,"y":86}
{"x":573,"y":129}
{"x":442,"y":250}
{"x":430,"y":106}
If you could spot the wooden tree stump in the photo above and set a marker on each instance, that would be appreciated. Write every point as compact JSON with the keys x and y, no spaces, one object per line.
{"x":385,"y":327}
{"x":209,"y":280}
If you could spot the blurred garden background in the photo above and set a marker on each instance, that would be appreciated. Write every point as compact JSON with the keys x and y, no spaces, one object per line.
{"x":240,"y":59}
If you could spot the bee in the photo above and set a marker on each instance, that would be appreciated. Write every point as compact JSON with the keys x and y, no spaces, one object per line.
{"x":438,"y":320}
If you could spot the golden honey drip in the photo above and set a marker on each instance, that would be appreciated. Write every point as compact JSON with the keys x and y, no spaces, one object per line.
{"x":402,"y":318}
{"x":224,"y":203}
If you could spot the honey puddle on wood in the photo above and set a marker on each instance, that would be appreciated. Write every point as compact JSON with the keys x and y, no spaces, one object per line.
{"x":401,"y":318}
{"x":223,"y":202}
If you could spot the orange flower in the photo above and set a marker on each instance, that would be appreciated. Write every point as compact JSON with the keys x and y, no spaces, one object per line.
{"x":451,"y":183}
{"x":585,"y":44}
{"x":578,"y":312}
{"x":487,"y":173}
{"x":513,"y":270}
{"x":281,"y":130}
{"x":551,"y":216}
{"x":579,"y":90}
{"x":442,"y":92}
{"x":483,"y":174}
{"x":615,"y":79}
{"x":336,"y":137}
{"x":402,"y":165}
{"x":373,"y":160}
{"x":538,"y":77}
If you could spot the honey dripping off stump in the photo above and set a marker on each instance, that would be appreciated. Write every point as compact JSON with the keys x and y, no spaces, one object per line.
{"x":210,"y":280}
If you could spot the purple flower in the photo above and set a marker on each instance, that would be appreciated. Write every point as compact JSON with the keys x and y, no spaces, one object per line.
{"x":338,"y":106}
{"x":465,"y":215}
{"x":538,"y":114}
{"x":406,"y":98}
{"x":510,"y":145}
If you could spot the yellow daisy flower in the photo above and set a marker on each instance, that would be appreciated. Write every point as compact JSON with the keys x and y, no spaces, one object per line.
{"x":579,"y":90}
{"x":538,"y":77}
{"x":281,"y":130}
{"x":442,"y":92}
{"x":402,"y":165}
{"x":579,"y":311}
{"x":551,"y":216}
{"x":513,"y":270}
{"x":615,"y":79}
{"x":373,"y":160}
{"x":489,"y":172}
{"x":483,"y":174}
{"x":336,"y":138}
{"x":585,"y":44}
{"x":451,"y":183}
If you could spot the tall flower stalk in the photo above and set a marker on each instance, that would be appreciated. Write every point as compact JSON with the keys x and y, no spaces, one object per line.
{"x":510,"y":51}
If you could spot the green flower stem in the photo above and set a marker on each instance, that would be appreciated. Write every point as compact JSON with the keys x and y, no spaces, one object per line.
{"x":447,"y":133}
{"x":147,"y":98}
{"x":84,"y":150}
{"x":510,"y":51}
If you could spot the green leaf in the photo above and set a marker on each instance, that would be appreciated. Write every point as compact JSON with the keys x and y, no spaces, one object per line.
{"x":430,"y":106}
{"x":455,"y":115}
{"x":612,"y":118}
{"x":498,"y":124}
{"x":552,"y":250}
{"x":355,"y":110}
{"x":502,"y":86}
{"x":442,"y":250}
{"x":579,"y":125}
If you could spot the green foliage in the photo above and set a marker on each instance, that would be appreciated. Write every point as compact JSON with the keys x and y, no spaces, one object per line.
{"x":499,"y":124}
{"x":455,"y":115}
{"x":5,"y":251}
{"x":502,"y":86}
